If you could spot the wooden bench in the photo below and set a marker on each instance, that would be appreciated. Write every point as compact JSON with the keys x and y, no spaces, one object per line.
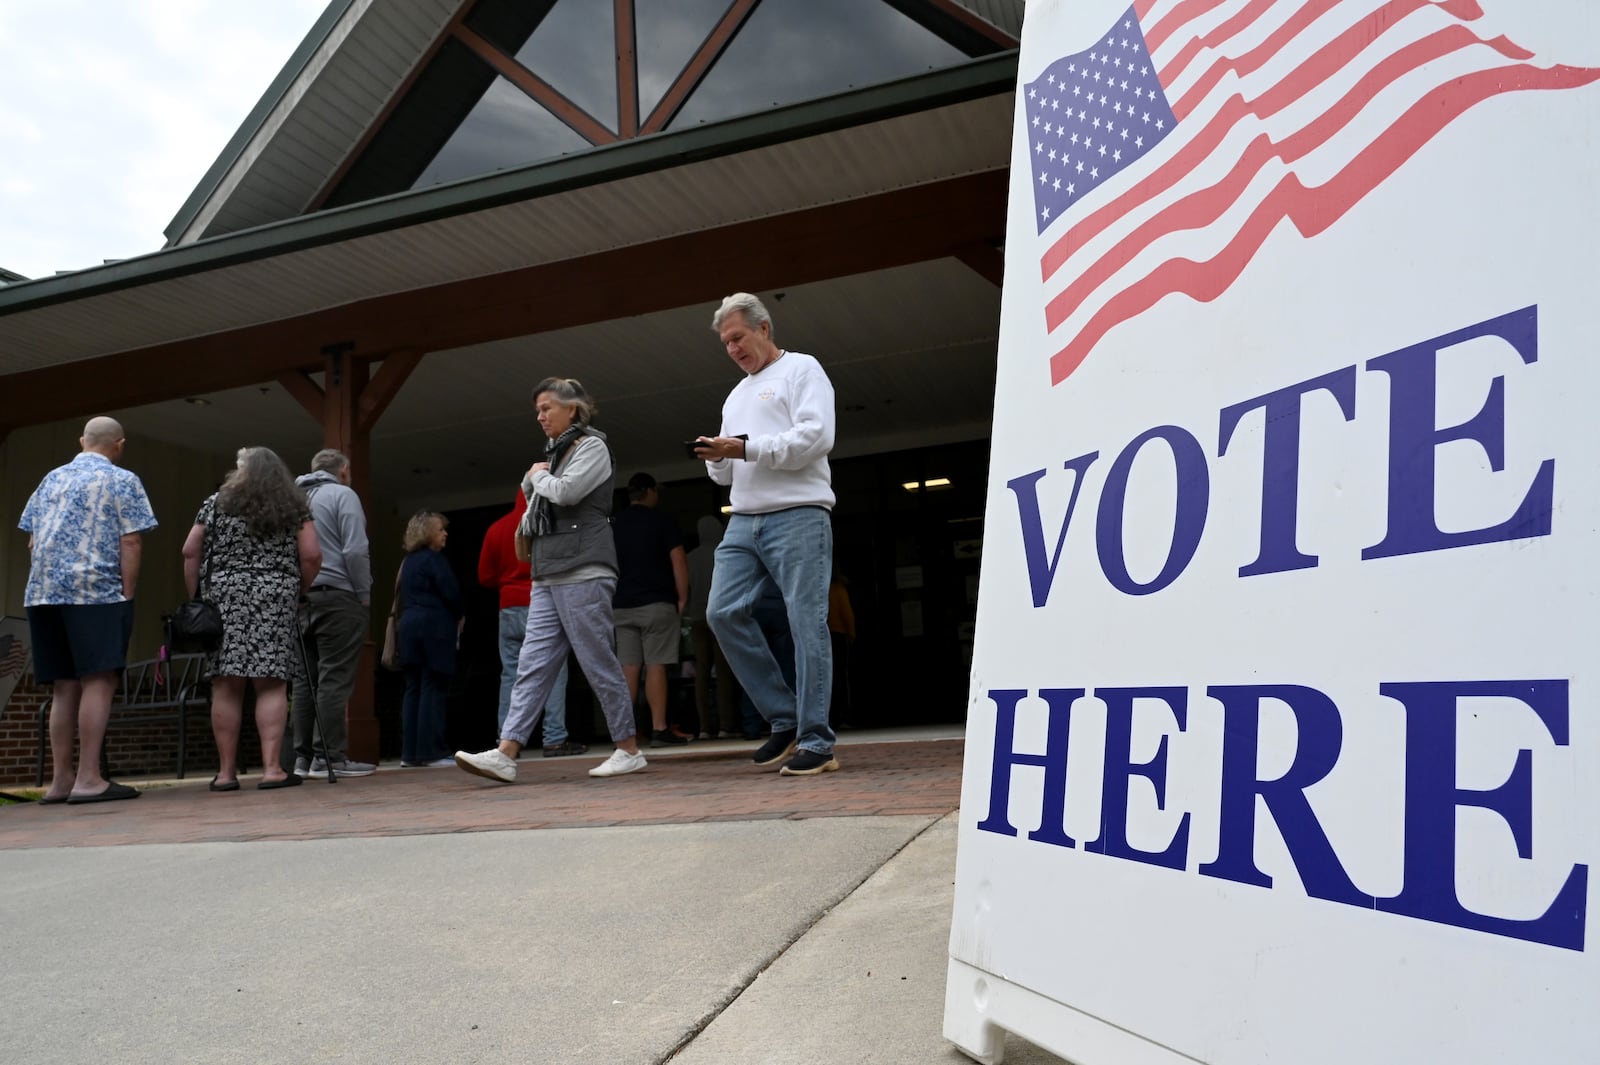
{"x":150,"y":691}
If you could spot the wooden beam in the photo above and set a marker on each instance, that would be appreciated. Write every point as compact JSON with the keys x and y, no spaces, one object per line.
{"x":957,"y":26}
{"x":694,"y":71}
{"x":988,"y":261}
{"x":891,"y":229}
{"x":581,"y":122}
{"x":305,"y":391}
{"x":627,"y":70}
{"x":381,"y":390}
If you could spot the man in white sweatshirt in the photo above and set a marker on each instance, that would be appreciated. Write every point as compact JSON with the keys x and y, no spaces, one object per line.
{"x":777,"y":430}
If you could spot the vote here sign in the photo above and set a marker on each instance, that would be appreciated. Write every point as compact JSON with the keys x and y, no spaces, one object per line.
{"x":1283,"y":738}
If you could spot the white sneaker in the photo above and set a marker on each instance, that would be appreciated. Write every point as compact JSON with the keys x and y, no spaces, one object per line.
{"x":491,"y":763}
{"x":443,"y":762}
{"x":619,"y":763}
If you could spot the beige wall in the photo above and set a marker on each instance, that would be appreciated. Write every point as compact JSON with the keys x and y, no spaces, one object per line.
{"x":177,"y":481}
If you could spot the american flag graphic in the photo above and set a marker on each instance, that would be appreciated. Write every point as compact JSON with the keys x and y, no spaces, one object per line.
{"x":13,"y":657}
{"x":1174,"y":145}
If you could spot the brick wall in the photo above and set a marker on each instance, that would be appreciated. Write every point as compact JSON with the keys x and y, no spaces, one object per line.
{"x":19,"y":734}
{"x":135,"y":752}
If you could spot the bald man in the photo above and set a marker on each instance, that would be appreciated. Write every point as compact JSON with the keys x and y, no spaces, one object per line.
{"x":84,"y":524}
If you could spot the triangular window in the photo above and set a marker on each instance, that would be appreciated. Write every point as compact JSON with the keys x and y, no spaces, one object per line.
{"x":669,"y":34}
{"x":505,"y":129}
{"x":574,"y":48}
{"x":795,"y":50}
{"x":521,"y":81}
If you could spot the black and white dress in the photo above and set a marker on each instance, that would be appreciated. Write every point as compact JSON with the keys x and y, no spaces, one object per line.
{"x":255,"y":582}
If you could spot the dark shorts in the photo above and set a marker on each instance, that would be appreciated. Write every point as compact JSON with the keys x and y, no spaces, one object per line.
{"x":73,"y":642}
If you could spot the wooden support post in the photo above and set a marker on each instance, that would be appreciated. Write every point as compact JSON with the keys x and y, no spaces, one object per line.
{"x":349,"y":403}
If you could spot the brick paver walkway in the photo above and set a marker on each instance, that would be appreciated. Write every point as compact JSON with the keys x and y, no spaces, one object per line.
{"x":922,"y":777}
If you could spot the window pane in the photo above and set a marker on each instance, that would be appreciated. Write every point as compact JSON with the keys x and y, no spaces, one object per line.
{"x":794,"y":50}
{"x":575,"y":50}
{"x":442,"y":97}
{"x":505,"y":129}
{"x":668,"y":33}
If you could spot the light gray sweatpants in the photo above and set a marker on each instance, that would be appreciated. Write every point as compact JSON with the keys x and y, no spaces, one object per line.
{"x":562,"y":616}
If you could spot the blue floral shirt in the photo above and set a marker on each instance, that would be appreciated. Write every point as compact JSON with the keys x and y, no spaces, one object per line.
{"x":78,"y":516}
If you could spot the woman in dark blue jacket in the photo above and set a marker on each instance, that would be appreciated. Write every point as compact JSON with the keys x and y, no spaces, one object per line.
{"x":425,"y":639}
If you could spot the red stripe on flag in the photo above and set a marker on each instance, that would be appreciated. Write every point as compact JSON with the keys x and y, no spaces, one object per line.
{"x":1202,"y":208}
{"x":1318,"y":68}
{"x":1266,"y":50}
{"x":1313,"y":210}
{"x":1184,"y":13}
{"x":1217,"y":36}
{"x":1328,"y":59}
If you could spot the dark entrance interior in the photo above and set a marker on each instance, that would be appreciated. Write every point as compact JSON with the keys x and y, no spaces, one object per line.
{"x":908,"y":533}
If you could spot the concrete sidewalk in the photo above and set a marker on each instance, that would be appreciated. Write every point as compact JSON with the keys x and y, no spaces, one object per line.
{"x":779,"y":935}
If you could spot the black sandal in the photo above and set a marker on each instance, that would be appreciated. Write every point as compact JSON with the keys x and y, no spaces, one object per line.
{"x":232,"y":785}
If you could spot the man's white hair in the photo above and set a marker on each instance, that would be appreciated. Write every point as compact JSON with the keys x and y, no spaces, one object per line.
{"x":754,"y":311}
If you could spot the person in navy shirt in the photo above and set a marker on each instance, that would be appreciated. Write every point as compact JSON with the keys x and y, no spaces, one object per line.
{"x":426,"y":637}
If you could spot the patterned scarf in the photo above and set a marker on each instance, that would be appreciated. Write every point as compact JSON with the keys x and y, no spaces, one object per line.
{"x":543,"y":510}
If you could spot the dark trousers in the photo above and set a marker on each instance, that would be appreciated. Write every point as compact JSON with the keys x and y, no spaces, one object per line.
{"x":334,"y":625}
{"x":724,"y":714}
{"x":839,"y":704}
{"x":422,"y":716}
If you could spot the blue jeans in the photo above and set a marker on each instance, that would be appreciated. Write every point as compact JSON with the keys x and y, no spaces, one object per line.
{"x":513,"y":627}
{"x":794,"y":550}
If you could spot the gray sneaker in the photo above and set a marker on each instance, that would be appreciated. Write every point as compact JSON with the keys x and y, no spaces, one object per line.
{"x":346,"y":768}
{"x":302,"y":767}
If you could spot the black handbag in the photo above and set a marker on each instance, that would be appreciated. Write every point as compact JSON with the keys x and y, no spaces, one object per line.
{"x":197,"y":624}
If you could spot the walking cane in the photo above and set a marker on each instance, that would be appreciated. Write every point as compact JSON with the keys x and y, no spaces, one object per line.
{"x":311,"y":683}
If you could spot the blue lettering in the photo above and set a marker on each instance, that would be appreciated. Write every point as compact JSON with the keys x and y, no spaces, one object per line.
{"x":1054,"y":762}
{"x":1280,"y":464}
{"x":1321,"y":735}
{"x":1413,"y":439}
{"x":1120,"y":770}
{"x":1429,"y":891}
{"x":1193,"y":500}
{"x":1042,"y":573}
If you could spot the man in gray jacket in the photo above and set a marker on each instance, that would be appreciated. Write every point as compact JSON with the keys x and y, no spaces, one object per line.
{"x":335,"y":617}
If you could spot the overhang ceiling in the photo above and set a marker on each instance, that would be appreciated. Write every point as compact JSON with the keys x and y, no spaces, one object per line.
{"x":911,"y":353}
{"x":567,"y":224}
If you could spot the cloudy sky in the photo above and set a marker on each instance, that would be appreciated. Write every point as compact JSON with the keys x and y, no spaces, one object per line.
{"x":112,"y":110}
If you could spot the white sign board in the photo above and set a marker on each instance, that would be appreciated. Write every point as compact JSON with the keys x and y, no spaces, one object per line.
{"x":1283,"y":740}
{"x":15,"y":644}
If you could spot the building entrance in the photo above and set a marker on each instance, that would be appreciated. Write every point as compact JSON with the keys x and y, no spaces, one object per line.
{"x":908,"y":533}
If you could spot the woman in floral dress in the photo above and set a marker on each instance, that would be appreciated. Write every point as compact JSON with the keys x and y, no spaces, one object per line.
{"x":253,"y":551}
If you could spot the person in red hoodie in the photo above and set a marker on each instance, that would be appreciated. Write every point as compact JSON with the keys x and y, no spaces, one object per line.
{"x":499,"y":570}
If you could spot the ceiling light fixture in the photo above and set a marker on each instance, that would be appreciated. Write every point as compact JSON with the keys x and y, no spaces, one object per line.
{"x":931,"y":484}
{"x":198,"y":401}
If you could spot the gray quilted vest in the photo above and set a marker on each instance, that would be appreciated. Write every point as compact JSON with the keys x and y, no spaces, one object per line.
{"x":581,"y":533}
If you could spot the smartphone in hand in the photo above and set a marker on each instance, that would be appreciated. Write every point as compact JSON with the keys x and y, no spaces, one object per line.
{"x":690,"y":445}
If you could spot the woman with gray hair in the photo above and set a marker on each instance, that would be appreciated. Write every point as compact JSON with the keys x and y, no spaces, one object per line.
{"x":567,"y":533}
{"x":253,"y":551}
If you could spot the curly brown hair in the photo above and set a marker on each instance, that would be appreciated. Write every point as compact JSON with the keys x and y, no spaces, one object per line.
{"x":262,"y":492}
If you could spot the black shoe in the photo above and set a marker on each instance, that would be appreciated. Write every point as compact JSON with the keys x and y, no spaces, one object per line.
{"x":809,"y":764}
{"x":665,"y":737}
{"x":563,"y":749}
{"x":776,"y":749}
